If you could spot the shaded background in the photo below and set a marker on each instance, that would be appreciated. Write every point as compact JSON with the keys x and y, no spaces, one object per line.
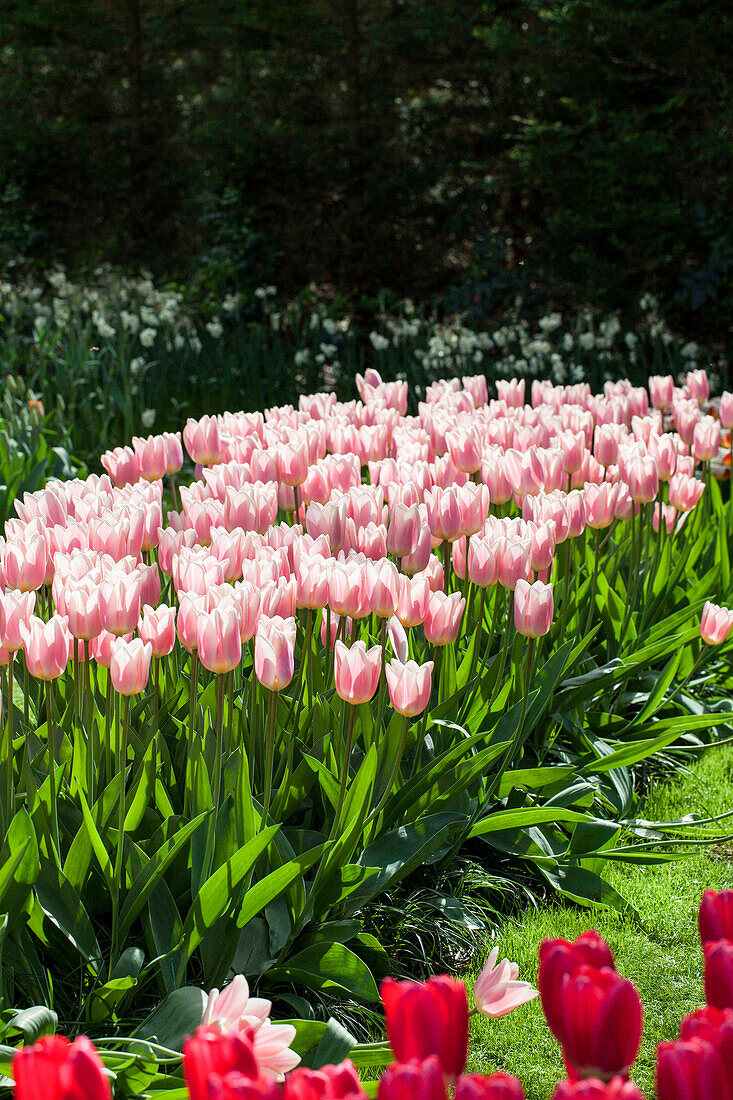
{"x":570,"y":151}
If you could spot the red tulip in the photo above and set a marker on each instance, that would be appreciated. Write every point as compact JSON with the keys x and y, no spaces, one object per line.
{"x":235,"y":1086}
{"x":55,"y":1069}
{"x":414,"y":1080}
{"x":719,"y":973}
{"x":212,"y":1051}
{"x":592,"y":1089}
{"x":327,"y":1083}
{"x":691,"y":1069}
{"x":559,"y":957}
{"x":598,"y":1022}
{"x":425,"y":1018}
{"x":497,"y":1086}
{"x":715,"y":1026}
{"x":715,"y":917}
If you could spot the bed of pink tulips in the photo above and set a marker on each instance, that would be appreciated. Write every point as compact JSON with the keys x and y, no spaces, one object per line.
{"x":594,"y":1013}
{"x":238,"y":707}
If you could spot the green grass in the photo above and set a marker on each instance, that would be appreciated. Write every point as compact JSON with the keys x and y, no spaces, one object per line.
{"x":660,"y":953}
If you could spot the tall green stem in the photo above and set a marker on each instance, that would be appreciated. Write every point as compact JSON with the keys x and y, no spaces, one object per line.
{"x":345,"y":771}
{"x":52,"y":774}
{"x":121,"y":808}
{"x":270,"y":754}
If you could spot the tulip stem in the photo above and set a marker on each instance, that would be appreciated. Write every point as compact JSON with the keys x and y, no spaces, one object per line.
{"x":593,"y":583}
{"x":192,"y":700}
{"x":7,"y":807}
{"x":26,"y":695}
{"x":121,"y":769}
{"x":393,"y":775}
{"x":52,"y":774}
{"x":504,"y":648}
{"x":270,"y":754}
{"x":345,"y":771}
{"x":446,"y":566}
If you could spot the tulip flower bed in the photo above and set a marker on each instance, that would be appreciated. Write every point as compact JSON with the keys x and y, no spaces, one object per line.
{"x":593,"y":1012}
{"x":241,"y":706}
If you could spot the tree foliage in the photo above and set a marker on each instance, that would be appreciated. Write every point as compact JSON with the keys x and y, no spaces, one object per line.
{"x":580,"y":144}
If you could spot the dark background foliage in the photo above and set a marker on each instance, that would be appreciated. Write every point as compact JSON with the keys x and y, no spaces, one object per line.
{"x":577,"y":148}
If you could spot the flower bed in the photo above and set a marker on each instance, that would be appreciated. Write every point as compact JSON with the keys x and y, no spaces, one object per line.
{"x":212,"y":764}
{"x":593,"y":1012}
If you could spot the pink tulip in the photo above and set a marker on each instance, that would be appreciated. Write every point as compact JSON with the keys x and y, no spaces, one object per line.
{"x":542,"y":547}
{"x":686,"y":417}
{"x":120,"y":598}
{"x":661,"y":390}
{"x":149,"y":585}
{"x":16,"y":609}
{"x":398,"y":639}
{"x":706,"y":439}
{"x":715,"y":624}
{"x":158,"y":628}
{"x":356,"y":671}
{"x":404,"y":530}
{"x":435,"y":574}
{"x":669,"y":517}
{"x":201,"y":439}
{"x":173,"y":452}
{"x":152,"y":456}
{"x":444,"y":514}
{"x":496,"y":991}
{"x":458,"y":557}
{"x":247,"y":598}
{"x":190,"y":606}
{"x":312,"y":583}
{"x":643,"y":480}
{"x":82,"y":608}
{"x":464,"y":446}
{"x":698,"y":386}
{"x":495,"y":476}
{"x":606,"y":445}
{"x":663,"y":449}
{"x":515,"y":561}
{"x":170,"y":543}
{"x":483,"y":561}
{"x":101,"y":647}
{"x":511,"y":392}
{"x":685,"y":492}
{"x":122,"y":465}
{"x":726,"y":409}
{"x":275,"y":652}
{"x":600,"y":505}
{"x":25,"y":563}
{"x":412,"y":606}
{"x":416,"y":561}
{"x":129,"y":667}
{"x":372,"y":541}
{"x":219,"y":643}
{"x":533,"y":608}
{"x":46,"y":646}
{"x":443,"y":619}
{"x":476,"y":385}
{"x":409,"y":686}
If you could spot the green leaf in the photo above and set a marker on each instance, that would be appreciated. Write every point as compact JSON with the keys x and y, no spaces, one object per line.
{"x":519,"y":819}
{"x":148,"y":878}
{"x":272,"y":885}
{"x":63,"y":907}
{"x":177,"y":1016}
{"x":336,"y":1044}
{"x":217,"y":894}
{"x":400,"y":851}
{"x":329,"y":966}
{"x":33,"y":1023}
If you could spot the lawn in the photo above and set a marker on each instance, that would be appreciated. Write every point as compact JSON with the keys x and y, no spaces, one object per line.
{"x":660,"y":952}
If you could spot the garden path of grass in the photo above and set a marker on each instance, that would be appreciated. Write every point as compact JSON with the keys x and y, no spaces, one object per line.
{"x":661,"y":955}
